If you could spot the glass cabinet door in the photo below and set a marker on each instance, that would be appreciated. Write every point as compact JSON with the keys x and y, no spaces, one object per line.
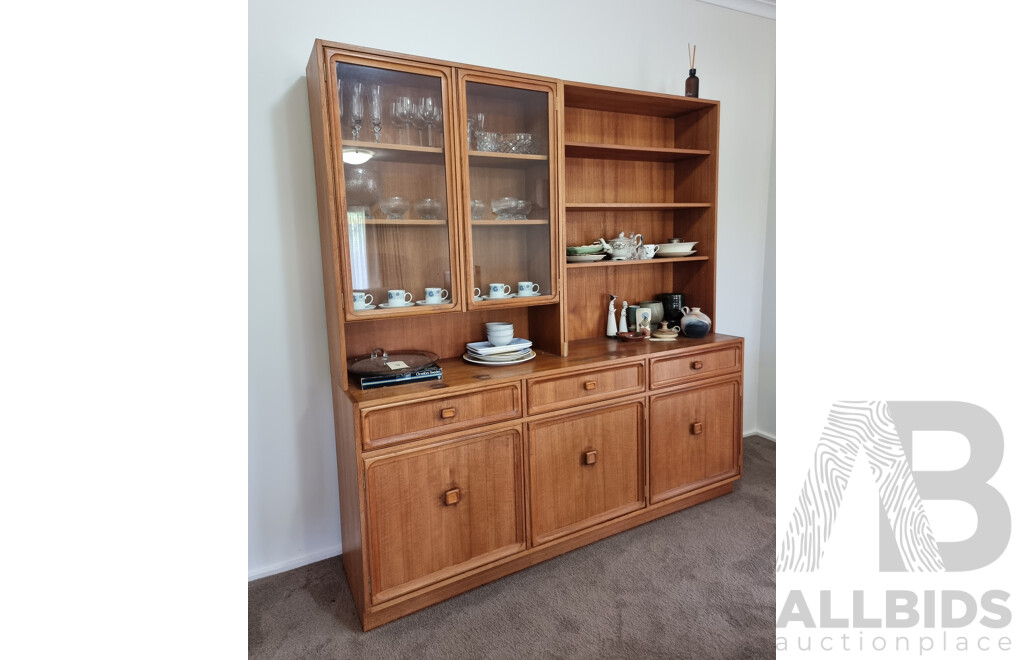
{"x":398,"y":195}
{"x":508,"y":129}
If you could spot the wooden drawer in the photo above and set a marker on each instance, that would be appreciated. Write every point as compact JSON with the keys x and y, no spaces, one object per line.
{"x":668,"y":371}
{"x":585,"y":469}
{"x":391,"y":425}
{"x":441,"y":510}
{"x":554,"y":393}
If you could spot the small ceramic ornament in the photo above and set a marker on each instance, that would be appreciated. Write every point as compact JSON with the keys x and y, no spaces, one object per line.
{"x":623,"y":326}
{"x":695,"y":323}
{"x":643,"y":321}
{"x":612,"y":329}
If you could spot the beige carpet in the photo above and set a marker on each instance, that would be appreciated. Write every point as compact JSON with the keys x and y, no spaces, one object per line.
{"x":699,"y":583}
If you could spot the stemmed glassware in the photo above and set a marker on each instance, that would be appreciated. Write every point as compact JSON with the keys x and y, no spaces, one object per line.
{"x":375,"y":111}
{"x":341,"y":104}
{"x":416,"y":116}
{"x":473,"y":124}
{"x":401,"y":115}
{"x":356,"y":106}
{"x":430,"y":113}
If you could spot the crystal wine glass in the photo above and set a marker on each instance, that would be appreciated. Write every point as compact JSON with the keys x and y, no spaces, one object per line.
{"x":375,"y":111}
{"x":356,"y":106}
{"x":431,"y":114}
{"x":341,"y":104}
{"x":416,"y":116}
{"x":400,"y":116}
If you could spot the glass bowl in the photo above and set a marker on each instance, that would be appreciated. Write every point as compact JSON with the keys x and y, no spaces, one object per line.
{"x":518,"y":143}
{"x":505,"y":207}
{"x":428,"y":208}
{"x":486,"y":141}
{"x":477,"y":209}
{"x":522,"y":209}
{"x":395,"y":207}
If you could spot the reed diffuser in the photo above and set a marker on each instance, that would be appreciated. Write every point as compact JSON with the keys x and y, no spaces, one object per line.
{"x":693,"y":82}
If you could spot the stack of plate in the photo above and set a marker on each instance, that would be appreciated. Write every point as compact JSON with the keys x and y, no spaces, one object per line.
{"x":484,"y":352}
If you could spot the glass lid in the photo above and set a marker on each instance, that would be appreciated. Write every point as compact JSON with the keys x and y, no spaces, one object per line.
{"x":381,"y":362}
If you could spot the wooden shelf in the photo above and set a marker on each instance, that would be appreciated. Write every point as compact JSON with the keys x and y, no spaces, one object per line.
{"x":609,"y":99}
{"x":635,"y":262}
{"x":414,"y":222}
{"x":507,"y":223}
{"x":407,"y":153}
{"x":634,"y":206}
{"x":498,"y":159}
{"x":620,"y":152}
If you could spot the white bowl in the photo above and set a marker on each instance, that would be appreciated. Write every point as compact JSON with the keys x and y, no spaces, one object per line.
{"x":667,"y":249}
{"x":499,"y":340}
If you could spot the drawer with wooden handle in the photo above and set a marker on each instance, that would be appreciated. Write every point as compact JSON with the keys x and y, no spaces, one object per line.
{"x":385,"y":426}
{"x":556,"y":392}
{"x":677,"y":369}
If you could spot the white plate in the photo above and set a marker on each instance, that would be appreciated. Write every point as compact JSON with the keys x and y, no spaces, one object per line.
{"x":529,"y":295}
{"x":476,"y":360}
{"x":487,"y":348}
{"x":501,"y":357}
{"x":390,"y":306}
{"x":581,"y":258}
{"x":443,"y":302}
{"x":508,"y":297}
{"x":675,"y":254}
{"x":361,"y":309}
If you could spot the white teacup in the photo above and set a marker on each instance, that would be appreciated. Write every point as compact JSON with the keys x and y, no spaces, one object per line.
{"x":476,"y":292}
{"x":528,"y":289}
{"x":500,"y":290}
{"x":362,"y":299}
{"x":435,"y":295}
{"x":647,"y":251}
{"x":398,"y":297}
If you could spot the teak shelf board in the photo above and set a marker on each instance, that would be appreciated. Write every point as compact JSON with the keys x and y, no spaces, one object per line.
{"x":610,"y":99}
{"x":620,"y":152}
{"x":412,"y":222}
{"x":507,"y":223}
{"x":499,"y":159}
{"x":634,"y":262}
{"x":634,"y":206}
{"x":387,"y":151}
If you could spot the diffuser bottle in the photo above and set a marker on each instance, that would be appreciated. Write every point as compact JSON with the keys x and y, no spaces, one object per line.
{"x":692,"y":83}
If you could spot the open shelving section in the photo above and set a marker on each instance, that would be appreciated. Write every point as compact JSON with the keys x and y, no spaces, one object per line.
{"x":638,"y":162}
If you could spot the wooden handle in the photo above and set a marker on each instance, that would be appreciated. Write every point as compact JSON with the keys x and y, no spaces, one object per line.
{"x":447,"y":413}
{"x":590,"y":385}
{"x":451,"y":497}
{"x":697,"y":428}
{"x":590,"y":457}
{"x":697,"y":366}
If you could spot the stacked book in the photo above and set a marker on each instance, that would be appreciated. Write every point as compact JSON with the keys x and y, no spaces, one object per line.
{"x":429,"y":372}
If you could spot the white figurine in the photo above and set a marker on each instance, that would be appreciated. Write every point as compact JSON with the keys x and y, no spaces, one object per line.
{"x":611,"y":317}
{"x":623,"y":327}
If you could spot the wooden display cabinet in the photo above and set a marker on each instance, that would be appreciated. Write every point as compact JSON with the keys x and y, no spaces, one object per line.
{"x":446,"y":485}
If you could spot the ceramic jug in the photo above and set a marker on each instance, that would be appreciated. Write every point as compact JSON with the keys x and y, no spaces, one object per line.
{"x":695,"y":323}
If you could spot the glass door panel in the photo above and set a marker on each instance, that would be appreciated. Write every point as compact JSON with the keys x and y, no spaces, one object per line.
{"x":509,"y":139}
{"x":397,"y":173}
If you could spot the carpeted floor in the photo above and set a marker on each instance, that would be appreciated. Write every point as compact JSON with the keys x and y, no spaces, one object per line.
{"x":699,"y":583}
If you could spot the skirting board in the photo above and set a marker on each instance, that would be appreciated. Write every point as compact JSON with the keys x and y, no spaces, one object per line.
{"x":294,"y":562}
{"x":767,"y":436}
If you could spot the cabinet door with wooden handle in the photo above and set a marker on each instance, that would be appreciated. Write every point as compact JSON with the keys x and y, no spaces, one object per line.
{"x":448,"y":413}
{"x":590,"y":457}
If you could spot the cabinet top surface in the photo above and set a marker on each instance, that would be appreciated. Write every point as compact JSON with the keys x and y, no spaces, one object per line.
{"x":586,"y":353}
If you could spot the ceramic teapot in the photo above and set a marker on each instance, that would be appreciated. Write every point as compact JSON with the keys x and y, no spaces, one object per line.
{"x":623,"y":247}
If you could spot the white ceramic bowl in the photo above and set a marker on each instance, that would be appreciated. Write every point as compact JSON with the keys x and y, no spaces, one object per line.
{"x":499,"y":338}
{"x":669,"y":249}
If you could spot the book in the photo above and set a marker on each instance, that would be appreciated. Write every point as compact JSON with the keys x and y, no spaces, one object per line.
{"x":429,"y":372}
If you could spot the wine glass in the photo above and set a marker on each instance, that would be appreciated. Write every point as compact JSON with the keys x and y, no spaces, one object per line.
{"x":400,"y":110}
{"x":375,"y":111}
{"x":356,"y":106}
{"x":341,"y":104}
{"x":431,"y":114}
{"x":416,"y":116}
{"x":474,"y":123}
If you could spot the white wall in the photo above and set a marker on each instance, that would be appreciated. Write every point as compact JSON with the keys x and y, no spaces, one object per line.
{"x":293,"y":508}
{"x":766,"y":361}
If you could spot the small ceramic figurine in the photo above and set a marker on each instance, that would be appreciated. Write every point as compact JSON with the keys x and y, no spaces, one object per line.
{"x":612,"y":329}
{"x":623,"y":326}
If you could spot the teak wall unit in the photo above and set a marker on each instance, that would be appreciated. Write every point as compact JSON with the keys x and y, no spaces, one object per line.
{"x":446,"y":485}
